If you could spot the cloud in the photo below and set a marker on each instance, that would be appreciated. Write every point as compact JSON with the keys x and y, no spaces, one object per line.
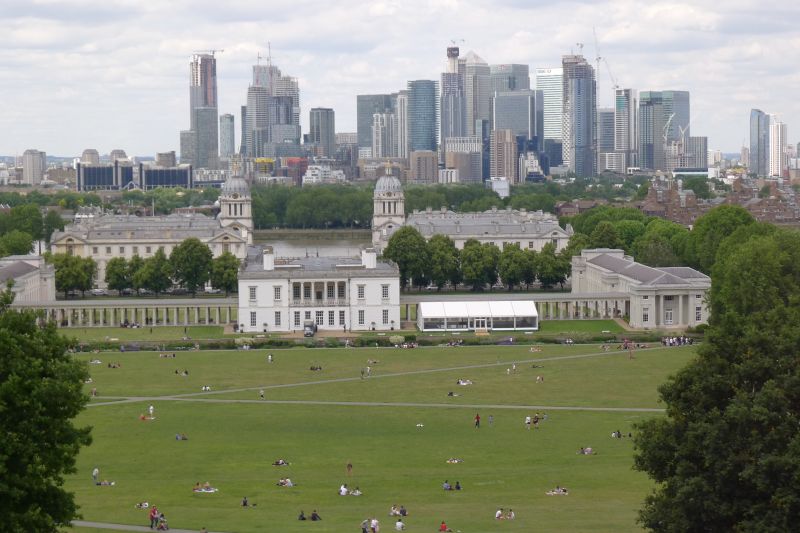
{"x":114,"y":73}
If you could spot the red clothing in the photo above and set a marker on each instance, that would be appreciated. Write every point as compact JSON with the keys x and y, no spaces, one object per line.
{"x":443,"y":527}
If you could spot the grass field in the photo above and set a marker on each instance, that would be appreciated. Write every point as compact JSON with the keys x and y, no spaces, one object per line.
{"x":318,"y":421}
{"x":159,"y":333}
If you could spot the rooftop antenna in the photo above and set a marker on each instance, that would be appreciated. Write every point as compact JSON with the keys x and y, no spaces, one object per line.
{"x":269,"y":53}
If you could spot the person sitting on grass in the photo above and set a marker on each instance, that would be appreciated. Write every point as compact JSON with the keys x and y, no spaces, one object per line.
{"x":343,"y":490}
{"x":245,"y":503}
{"x":458,"y":486}
{"x":280,"y":462}
{"x":443,"y":527}
{"x":446,"y":485}
{"x":558,"y":491}
{"x":162,"y":523}
{"x":394,"y":511}
{"x":399,"y":525}
{"x":403,"y":511}
{"x":302,"y":516}
{"x":356,"y":492}
{"x":314,"y":516}
{"x":106,"y":483}
{"x":510,"y":515}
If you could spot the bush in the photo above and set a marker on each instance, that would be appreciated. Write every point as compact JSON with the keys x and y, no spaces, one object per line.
{"x":332,"y":342}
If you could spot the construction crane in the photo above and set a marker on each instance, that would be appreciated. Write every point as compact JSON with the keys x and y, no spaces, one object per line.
{"x":597,"y":57}
{"x":666,"y":129}
{"x":580,"y":48}
{"x":212,"y":51}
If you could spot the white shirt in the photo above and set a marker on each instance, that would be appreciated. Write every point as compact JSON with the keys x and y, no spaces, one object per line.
{"x":342,"y":491}
{"x":399,"y":526}
{"x":498,"y":514}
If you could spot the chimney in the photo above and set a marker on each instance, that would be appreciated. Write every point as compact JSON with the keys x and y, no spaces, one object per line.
{"x":269,"y":258}
{"x":369,"y":258}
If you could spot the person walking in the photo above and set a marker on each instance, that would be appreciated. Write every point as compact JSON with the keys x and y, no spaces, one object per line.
{"x":152,"y":410}
{"x":477,"y":420}
{"x":349,"y":468}
{"x":261,"y":393}
{"x":491,"y":420}
{"x":95,"y":474}
{"x":153,"y":517}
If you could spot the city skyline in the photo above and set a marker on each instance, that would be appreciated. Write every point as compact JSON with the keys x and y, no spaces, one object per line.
{"x":123,"y":84}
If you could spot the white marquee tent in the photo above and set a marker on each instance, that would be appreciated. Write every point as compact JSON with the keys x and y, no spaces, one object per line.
{"x":465,"y":316}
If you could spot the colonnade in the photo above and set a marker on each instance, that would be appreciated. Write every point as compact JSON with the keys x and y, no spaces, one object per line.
{"x":142,"y":314}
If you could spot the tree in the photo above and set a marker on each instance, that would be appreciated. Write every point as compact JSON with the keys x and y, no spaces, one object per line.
{"x":491,"y":262}
{"x":134,"y":266}
{"x":407,"y":248}
{"x":472,"y":269}
{"x":697,"y":184}
{"x":726,"y":456}
{"x":41,"y":391}
{"x":709,"y":231}
{"x":655,"y":250}
{"x":52,"y":222}
{"x":155,"y":273}
{"x":118,"y":275}
{"x":225,"y":272}
{"x":549,"y":268}
{"x":27,"y":218}
{"x":513,"y":265}
{"x":529,"y":272}
{"x":443,"y":261}
{"x":191,"y":264}
{"x":605,"y":236}
{"x":15,"y":242}
{"x":577,"y":243}
{"x":73,"y":273}
{"x":88,"y":273}
{"x":628,"y":231}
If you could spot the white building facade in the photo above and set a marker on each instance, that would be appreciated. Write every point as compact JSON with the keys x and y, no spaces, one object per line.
{"x":659,"y":298}
{"x":337,"y":294}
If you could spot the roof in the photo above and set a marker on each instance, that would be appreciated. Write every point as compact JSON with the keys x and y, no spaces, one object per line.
{"x":478,"y":309}
{"x":15,"y":270}
{"x":235,"y":185}
{"x":647,"y":275}
{"x":492,"y":222}
{"x":119,"y":227}
{"x":313,"y":267}
{"x":388,"y":184}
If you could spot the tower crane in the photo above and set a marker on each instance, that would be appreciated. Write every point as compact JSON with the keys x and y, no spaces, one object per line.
{"x":212,"y":51}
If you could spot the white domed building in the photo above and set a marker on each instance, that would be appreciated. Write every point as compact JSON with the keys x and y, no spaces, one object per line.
{"x":389,"y":212}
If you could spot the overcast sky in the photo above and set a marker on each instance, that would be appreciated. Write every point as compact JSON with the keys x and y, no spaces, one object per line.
{"x":108,"y":74}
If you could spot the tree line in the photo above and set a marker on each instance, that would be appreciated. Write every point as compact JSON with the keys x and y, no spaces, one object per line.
{"x":23,"y":225}
{"x":190,"y":265}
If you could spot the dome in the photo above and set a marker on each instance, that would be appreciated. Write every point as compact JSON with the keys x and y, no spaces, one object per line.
{"x":235,"y":185}
{"x":388,"y":184}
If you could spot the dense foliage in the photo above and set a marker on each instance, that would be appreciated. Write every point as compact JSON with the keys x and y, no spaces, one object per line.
{"x":727,"y":455}
{"x":41,"y":392}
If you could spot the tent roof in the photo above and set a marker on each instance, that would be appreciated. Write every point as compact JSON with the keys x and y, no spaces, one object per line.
{"x":478,"y":309}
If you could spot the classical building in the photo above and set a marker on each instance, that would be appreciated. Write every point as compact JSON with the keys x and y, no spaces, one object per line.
{"x":338,"y":294}
{"x":105,"y":236}
{"x":388,"y":211}
{"x":658,"y":298}
{"x":33,"y":279}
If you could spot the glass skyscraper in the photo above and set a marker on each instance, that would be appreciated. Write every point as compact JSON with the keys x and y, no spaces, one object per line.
{"x":423,"y":101}
{"x":203,"y":116}
{"x":521,"y":112}
{"x":549,"y":81}
{"x":579,"y":116}
{"x":366,"y":106}
{"x":759,"y":142}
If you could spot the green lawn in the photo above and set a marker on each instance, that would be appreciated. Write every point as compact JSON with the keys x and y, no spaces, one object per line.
{"x":231,"y":445}
{"x":159,"y":333}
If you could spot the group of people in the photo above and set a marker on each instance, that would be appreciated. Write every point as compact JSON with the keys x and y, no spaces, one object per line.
{"x":285,"y":482}
{"x":205,"y":487}
{"x":205,"y":388}
{"x":114,"y":365}
{"x":558,"y":491}
{"x":181,"y":436}
{"x":314,"y":516}
{"x":398,"y":511}
{"x":462,"y":381}
{"x":157,"y":519}
{"x":185,"y":373}
{"x":508,"y":515}
{"x":618,"y":435}
{"x":447,"y":486}
{"x":532,"y":420}
{"x":681,"y":340}
{"x":344,"y":491}
{"x":315,"y":368}
{"x":167,"y":355}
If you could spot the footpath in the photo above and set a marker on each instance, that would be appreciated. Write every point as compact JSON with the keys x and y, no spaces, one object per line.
{"x":123,"y":527}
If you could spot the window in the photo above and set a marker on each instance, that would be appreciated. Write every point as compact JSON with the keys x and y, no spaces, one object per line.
{"x":385,"y":292}
{"x":319,"y":318}
{"x":297,"y":319}
{"x":331,"y":291}
{"x":340,"y":290}
{"x":698,"y":296}
{"x":148,"y":249}
{"x":360,"y":317}
{"x":645,"y":314}
{"x":135,"y":250}
{"x":108,"y":250}
{"x":361,"y":290}
{"x":277,"y":318}
{"x":645,"y":297}
{"x":385,"y":316}
{"x":252,"y":293}
{"x":331,"y":318}
{"x":698,"y":314}
{"x":307,"y":292}
{"x":122,"y":249}
{"x":296,"y":291}
{"x":668,"y":298}
{"x":94,"y":250}
{"x":252,"y":319}
{"x":276,"y":292}
{"x":668,"y":317}
{"x":341,"y":318}
{"x":307,"y":315}
{"x":555,"y":242}
{"x":530,"y":245}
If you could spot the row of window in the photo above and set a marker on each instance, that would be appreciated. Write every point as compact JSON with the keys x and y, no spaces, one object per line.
{"x":276,"y":291}
{"x":147,"y":249}
{"x":668,"y":317}
{"x":319,"y":318}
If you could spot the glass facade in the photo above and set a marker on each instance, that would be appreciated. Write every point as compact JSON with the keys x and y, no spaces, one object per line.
{"x":423,"y":103}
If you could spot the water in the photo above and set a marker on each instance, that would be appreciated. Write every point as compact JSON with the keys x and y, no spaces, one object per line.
{"x":317,"y":247}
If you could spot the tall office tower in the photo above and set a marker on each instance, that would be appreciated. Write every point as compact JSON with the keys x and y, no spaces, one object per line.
{"x":521,"y":112}
{"x":626,"y":139}
{"x":287,"y":86}
{"x":117,"y":153}
{"x":366,"y":106}
{"x":166,"y":159}
{"x":759,"y":142}
{"x":466,"y":155}
{"x":550,"y":82}
{"x":244,"y":130}
{"x":90,"y":156}
{"x":504,"y":155}
{"x":188,"y":144}
{"x":257,"y":120}
{"x":744,"y":157}
{"x":227,"y":136}
{"x":777,"y":146}
{"x":509,"y":77}
{"x":697,"y":152}
{"x":453,"y":105}
{"x":676,"y":105}
{"x":605,"y":139}
{"x":266,"y":76}
{"x":476,"y":90}
{"x":34,"y":163}
{"x":383,"y":131}
{"x":423,"y":103}
{"x":401,"y":120}
{"x":423,"y":166}
{"x":579,"y":116}
{"x":664,"y":118}
{"x":322,"y":130}
{"x":202,"y":105}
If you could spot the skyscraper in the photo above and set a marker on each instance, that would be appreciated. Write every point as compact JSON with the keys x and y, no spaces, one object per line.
{"x":423,"y":101}
{"x":227,"y":136}
{"x":605,"y":138}
{"x":579,"y":116}
{"x":453,"y":104}
{"x":476,"y":91}
{"x":664,"y":117}
{"x":777,"y":146}
{"x":509,"y":77}
{"x":287,"y":86}
{"x":503,"y":154}
{"x":383,"y":131}
{"x":203,"y":111}
{"x":34,"y":163}
{"x":626,"y":109}
{"x":549,"y":81}
{"x":257,"y":130}
{"x":401,"y":119}
{"x":521,"y":112}
{"x":366,"y":106}
{"x":322,"y":130}
{"x":759,"y":142}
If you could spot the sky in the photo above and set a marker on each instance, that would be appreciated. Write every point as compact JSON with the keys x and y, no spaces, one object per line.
{"x":109,"y":74}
